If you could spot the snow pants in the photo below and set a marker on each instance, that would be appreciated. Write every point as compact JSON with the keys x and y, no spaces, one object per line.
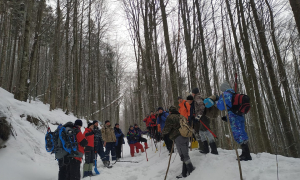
{"x":138,"y":147}
{"x":206,"y":136}
{"x":182,"y":145}
{"x":119,"y":148}
{"x":100,"y":150}
{"x":89,"y":158}
{"x":69,"y":169}
{"x":237,"y":124}
{"x":110,"y":149}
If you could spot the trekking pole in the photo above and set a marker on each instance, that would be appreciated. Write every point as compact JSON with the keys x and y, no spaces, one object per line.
{"x":169,"y":160}
{"x":236,"y":152}
{"x":146,"y":154}
{"x":208,"y":129}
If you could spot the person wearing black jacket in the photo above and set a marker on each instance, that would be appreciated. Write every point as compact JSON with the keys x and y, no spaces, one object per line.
{"x":120,"y":140}
{"x":98,"y":141}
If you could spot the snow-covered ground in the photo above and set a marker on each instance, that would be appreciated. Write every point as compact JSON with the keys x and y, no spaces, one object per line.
{"x":25,"y":157}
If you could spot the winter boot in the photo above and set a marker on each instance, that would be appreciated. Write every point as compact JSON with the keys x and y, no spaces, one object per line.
{"x":205,"y":148}
{"x":189,"y":166}
{"x":245,"y":153}
{"x":200,"y":145}
{"x":183,"y":173}
{"x":213,"y":148}
{"x":85,"y":174}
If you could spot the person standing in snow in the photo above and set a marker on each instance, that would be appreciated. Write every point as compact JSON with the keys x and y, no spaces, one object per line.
{"x":205,"y":134}
{"x":140,"y":133}
{"x":109,"y":138}
{"x":98,"y":142}
{"x":69,"y":167}
{"x":184,"y":107}
{"x":120,"y":140}
{"x":89,"y":151}
{"x":82,"y":143}
{"x":237,"y":122}
{"x":182,"y":143}
{"x":133,"y":138}
{"x":161,"y":120}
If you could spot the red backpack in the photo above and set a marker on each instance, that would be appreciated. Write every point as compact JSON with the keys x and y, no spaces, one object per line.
{"x":240,"y":104}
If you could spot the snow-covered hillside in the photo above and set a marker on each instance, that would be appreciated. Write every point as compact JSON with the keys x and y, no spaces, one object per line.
{"x":25,"y":157}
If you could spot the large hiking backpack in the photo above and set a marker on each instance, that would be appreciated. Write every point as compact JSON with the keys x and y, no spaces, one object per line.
{"x":63,"y":141}
{"x":240,"y":104}
{"x":185,"y":130}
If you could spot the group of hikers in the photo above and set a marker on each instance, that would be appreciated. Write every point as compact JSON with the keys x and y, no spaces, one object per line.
{"x":197,"y":111}
{"x":92,"y":142}
{"x":176,"y":127}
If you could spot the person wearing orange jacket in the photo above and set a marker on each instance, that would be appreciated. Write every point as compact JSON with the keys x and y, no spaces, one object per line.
{"x":89,"y":151}
{"x":184,"y":107}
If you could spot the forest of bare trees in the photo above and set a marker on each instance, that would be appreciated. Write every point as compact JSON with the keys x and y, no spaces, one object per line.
{"x":184,"y":44}
{"x":59,"y":54}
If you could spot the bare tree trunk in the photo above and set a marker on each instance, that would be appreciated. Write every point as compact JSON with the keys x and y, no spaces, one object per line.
{"x":55,"y":59}
{"x":279,"y":100}
{"x":173,"y":75}
{"x":22,"y":87}
{"x":295,"y":4}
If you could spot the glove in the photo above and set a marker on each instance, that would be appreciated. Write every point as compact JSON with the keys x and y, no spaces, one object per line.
{"x":198,"y":117}
{"x":224,"y":118}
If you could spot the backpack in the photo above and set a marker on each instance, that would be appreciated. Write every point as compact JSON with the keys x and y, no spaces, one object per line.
{"x":185,"y":130}
{"x":63,"y":141}
{"x":240,"y":104}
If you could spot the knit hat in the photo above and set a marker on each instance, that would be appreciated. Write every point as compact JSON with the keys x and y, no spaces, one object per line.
{"x":89,"y":124}
{"x":179,"y":97}
{"x":190,"y":97}
{"x":78,"y":122}
{"x":130,"y":127}
{"x":225,"y":86}
{"x":160,"y":108}
{"x":136,"y":125}
{"x":173,"y":109}
{"x":116,"y":124}
{"x":95,"y":121}
{"x":195,"y":91}
{"x":106,"y":121}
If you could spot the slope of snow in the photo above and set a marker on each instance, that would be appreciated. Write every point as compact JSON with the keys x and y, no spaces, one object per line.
{"x":25,"y":157}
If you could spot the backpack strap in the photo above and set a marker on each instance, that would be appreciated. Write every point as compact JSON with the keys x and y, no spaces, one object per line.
{"x":186,"y":107}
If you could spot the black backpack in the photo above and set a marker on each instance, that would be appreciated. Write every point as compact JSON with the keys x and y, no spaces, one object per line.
{"x":62,"y":141}
{"x":240,"y":104}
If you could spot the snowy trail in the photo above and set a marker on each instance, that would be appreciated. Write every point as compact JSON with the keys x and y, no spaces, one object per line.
{"x":25,"y":157}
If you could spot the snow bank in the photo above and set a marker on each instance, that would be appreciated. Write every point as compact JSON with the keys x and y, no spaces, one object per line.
{"x":25,"y":157}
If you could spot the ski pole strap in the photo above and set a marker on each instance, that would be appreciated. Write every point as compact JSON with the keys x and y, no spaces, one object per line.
{"x":208,"y":129}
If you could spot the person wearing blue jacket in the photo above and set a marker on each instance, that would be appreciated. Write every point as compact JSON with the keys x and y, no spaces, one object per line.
{"x":161,"y":120}
{"x":237,"y":122}
{"x":120,"y":140}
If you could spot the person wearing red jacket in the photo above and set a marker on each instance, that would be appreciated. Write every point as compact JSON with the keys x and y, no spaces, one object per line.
{"x":76,"y":161}
{"x":147,"y":123}
{"x":89,"y":151}
{"x":152,"y":123}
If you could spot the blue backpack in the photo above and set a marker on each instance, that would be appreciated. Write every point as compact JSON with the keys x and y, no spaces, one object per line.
{"x":62,"y":142}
